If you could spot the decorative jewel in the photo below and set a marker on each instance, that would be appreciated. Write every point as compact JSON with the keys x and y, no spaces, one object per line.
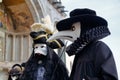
{"x":39,"y":62}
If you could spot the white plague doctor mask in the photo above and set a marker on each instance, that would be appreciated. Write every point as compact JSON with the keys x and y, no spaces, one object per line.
{"x":71,"y":34}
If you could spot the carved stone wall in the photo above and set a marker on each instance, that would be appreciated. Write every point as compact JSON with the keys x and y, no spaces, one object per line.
{"x":21,"y":17}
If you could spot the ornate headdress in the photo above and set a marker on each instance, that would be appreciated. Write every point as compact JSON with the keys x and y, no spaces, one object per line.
{"x":40,"y":33}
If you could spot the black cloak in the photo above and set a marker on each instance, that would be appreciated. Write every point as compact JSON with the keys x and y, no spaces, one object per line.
{"x":94,"y":62}
{"x":54,"y":66}
{"x":93,"y":58}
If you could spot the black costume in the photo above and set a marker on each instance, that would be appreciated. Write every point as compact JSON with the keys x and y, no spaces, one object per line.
{"x":49,"y":67}
{"x":94,"y":62}
{"x":93,"y":58}
{"x":53,"y":71}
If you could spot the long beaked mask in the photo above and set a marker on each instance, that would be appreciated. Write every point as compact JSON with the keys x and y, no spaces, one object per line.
{"x":71,"y":34}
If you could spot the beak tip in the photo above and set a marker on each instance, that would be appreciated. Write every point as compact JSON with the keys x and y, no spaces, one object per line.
{"x":55,"y":36}
{"x":49,"y":39}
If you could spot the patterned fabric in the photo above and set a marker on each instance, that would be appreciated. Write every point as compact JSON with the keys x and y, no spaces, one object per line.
{"x":90,"y":35}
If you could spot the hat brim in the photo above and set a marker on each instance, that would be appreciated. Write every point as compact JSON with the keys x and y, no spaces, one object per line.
{"x":85,"y":20}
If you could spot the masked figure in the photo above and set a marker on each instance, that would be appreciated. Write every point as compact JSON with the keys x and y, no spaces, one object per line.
{"x":44,"y":63}
{"x":93,"y":58}
{"x":16,"y":72}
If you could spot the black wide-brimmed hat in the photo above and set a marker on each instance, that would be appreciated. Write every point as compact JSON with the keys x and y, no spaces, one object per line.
{"x":85,"y":16}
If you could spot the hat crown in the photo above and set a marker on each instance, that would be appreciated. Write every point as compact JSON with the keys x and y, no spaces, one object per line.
{"x":39,"y":37}
{"x":80,"y":12}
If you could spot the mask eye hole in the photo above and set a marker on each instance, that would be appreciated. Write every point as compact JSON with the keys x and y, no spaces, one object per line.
{"x":42,"y":46}
{"x":36,"y":47}
{"x":73,"y":28}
